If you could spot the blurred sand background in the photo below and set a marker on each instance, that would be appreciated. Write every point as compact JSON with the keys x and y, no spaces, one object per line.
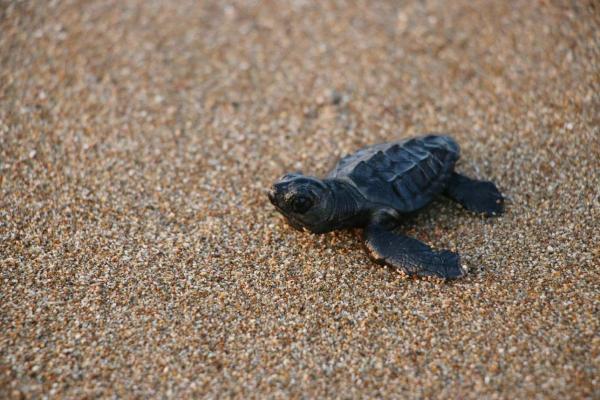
{"x":140,"y":257}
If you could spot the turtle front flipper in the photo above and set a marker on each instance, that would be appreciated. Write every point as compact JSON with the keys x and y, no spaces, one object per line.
{"x":410,"y":255}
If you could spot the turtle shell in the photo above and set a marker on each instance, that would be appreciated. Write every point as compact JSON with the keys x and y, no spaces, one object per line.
{"x":404,"y":175}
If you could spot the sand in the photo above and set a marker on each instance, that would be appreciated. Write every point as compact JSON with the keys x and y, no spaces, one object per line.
{"x":139,"y":254}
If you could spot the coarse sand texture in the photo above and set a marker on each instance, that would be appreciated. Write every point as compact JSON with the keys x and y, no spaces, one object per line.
{"x":141,"y":258}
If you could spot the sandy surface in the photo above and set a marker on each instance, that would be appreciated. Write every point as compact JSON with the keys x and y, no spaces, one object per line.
{"x":140,"y":256}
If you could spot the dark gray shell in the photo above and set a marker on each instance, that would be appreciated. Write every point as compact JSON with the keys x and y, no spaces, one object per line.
{"x":404,"y":175}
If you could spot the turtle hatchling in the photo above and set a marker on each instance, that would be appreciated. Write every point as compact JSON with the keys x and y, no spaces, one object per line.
{"x":378,"y":185}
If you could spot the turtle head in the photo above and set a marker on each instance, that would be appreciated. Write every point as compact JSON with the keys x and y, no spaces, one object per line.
{"x":305,"y":201}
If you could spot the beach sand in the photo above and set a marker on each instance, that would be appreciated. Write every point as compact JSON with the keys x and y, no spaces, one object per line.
{"x":139,"y":254}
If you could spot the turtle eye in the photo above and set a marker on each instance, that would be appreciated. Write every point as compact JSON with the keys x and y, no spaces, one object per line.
{"x":301,"y":204}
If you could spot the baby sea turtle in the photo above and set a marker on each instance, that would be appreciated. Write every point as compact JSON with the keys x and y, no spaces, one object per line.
{"x":374,"y":187}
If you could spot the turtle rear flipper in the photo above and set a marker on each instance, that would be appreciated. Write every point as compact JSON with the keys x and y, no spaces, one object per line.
{"x":477,"y":196}
{"x":410,"y":255}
